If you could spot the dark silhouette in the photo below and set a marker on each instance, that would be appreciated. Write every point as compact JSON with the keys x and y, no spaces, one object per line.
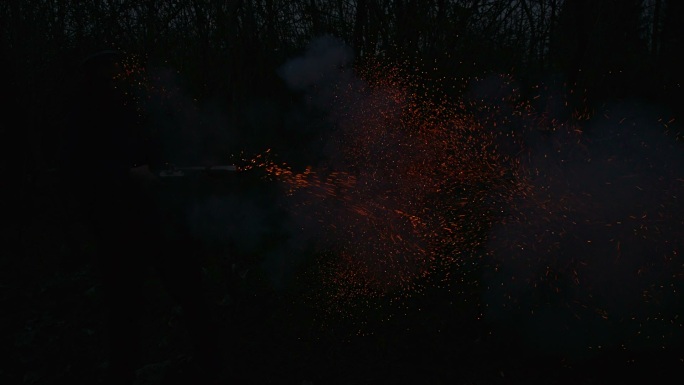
{"x":106,"y":163}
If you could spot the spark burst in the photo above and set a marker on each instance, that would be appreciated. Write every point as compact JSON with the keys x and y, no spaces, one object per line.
{"x":420,"y":188}
{"x":409,"y":188}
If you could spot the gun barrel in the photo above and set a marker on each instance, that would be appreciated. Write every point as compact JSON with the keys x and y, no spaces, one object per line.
{"x":184,"y":171}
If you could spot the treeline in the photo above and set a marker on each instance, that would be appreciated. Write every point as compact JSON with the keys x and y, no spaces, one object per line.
{"x":227,"y":44}
{"x":231,"y":48}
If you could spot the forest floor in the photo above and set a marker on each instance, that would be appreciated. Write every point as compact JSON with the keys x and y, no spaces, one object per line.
{"x":51,"y":318}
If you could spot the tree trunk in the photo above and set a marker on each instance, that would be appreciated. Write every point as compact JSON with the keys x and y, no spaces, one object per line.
{"x":360,"y":24}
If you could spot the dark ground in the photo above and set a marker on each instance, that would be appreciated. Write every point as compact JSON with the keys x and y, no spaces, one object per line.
{"x":52,"y":324}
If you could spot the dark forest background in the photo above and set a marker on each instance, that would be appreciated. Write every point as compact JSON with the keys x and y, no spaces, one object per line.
{"x":225,"y":56}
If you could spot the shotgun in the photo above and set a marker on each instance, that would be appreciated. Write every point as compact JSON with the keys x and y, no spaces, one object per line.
{"x":173,"y":171}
